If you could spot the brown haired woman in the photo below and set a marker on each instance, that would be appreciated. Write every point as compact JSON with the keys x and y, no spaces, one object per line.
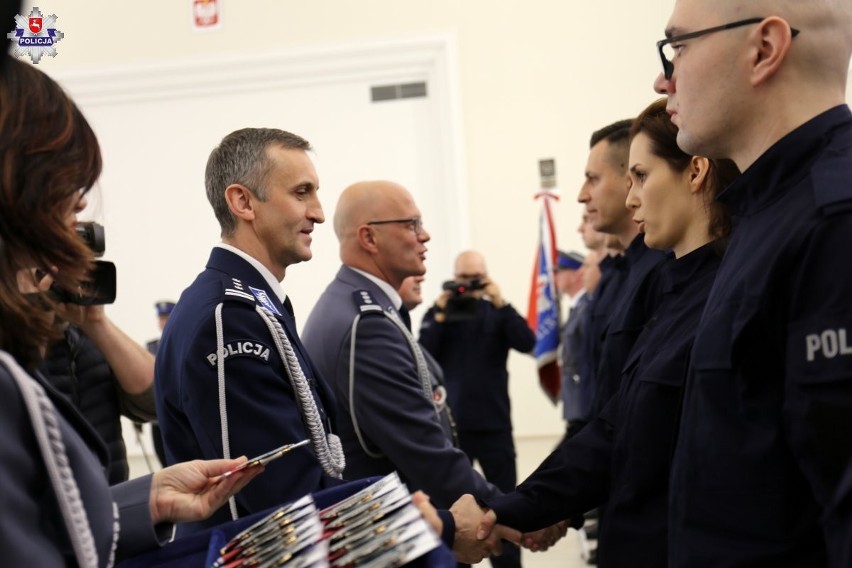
{"x":58,"y":509}
{"x":620,"y":461}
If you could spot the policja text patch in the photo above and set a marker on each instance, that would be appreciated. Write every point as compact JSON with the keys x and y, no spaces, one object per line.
{"x":242,"y":348}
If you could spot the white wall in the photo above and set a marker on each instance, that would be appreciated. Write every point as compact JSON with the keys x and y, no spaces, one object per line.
{"x":535,"y":79}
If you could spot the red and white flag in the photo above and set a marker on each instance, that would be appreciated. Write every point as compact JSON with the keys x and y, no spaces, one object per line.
{"x":543,"y":311}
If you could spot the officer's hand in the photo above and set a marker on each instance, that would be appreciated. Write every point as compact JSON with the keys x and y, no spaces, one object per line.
{"x":421,"y":501}
{"x":442,"y":300}
{"x":194,"y":490}
{"x":543,"y":539}
{"x":492,"y":292}
{"x":441,"y":305}
{"x":468,"y":546}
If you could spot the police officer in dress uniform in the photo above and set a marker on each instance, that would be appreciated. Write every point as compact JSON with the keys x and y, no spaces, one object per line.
{"x":232,"y":376}
{"x":163,"y":308}
{"x":569,"y":282}
{"x":387,"y":414}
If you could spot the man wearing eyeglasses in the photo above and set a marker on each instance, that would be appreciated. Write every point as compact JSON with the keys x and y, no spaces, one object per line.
{"x":762,"y":471}
{"x":358,"y":338}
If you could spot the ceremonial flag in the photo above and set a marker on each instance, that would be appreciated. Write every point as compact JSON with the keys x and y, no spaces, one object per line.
{"x":543,"y":310}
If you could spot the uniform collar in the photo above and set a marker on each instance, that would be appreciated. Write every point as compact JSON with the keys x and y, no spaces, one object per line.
{"x":636,"y":251}
{"x":783,"y":165}
{"x":574,"y":300}
{"x":392,"y":294}
{"x":274,"y":285}
{"x":681,"y":271}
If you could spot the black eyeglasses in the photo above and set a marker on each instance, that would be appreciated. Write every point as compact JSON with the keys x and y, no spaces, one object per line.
{"x":414,"y":223}
{"x":664,"y":45}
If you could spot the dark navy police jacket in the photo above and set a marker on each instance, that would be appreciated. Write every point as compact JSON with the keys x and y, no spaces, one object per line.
{"x":766,"y":435}
{"x":622,"y":457}
{"x":32,"y":530}
{"x":394,"y":416}
{"x":261,"y":409}
{"x":634,"y":303}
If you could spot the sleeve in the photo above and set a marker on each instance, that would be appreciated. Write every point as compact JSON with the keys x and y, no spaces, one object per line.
{"x":260,"y":406}
{"x":138,"y":533}
{"x":25,"y":538}
{"x":431,"y":333}
{"x":448,"y":531}
{"x":138,"y":407}
{"x":518,"y":333}
{"x":818,"y":397}
{"x":573,"y":479}
{"x":396,"y":417}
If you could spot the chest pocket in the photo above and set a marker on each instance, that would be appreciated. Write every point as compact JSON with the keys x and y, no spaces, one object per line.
{"x":721,"y":331}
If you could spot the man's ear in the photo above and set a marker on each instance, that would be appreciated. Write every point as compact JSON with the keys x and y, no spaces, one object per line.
{"x":240,"y":201}
{"x":367,"y":239}
{"x":772,"y":42}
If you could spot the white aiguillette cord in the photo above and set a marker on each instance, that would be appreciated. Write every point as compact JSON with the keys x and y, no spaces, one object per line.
{"x":327,"y":448}
{"x":49,"y":437}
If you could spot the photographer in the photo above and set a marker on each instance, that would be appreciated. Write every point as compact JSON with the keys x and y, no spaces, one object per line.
{"x":102,"y":371}
{"x":470,"y":331}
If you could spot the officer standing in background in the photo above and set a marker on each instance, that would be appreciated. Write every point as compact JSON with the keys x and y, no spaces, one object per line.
{"x":164,"y":310}
{"x":569,"y":283}
{"x":470,"y":331}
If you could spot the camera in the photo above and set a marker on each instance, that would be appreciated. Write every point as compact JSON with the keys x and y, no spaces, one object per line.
{"x":461,"y":306}
{"x":100,"y":286}
{"x":462,"y":288}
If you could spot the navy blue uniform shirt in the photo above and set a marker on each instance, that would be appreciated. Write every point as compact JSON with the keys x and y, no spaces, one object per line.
{"x":604,"y":300}
{"x":623,"y":456}
{"x":635,"y":302}
{"x":766,"y":433}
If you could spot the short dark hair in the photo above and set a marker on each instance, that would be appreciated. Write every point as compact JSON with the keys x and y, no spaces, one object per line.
{"x":617,"y":135}
{"x":655,"y":123}
{"x":241,"y":158}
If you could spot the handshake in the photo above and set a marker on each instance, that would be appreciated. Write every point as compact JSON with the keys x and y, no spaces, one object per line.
{"x":478,"y":535}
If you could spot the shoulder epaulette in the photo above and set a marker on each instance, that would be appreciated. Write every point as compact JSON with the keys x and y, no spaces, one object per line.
{"x":832,"y":190}
{"x":237,"y":291}
{"x":365,"y":302}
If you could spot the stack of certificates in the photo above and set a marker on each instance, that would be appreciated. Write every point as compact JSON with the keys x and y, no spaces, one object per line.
{"x":377,"y":527}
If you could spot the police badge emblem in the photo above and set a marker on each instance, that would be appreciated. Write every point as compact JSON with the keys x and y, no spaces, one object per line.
{"x":35,"y":35}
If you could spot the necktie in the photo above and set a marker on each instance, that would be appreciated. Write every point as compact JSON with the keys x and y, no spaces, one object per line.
{"x":288,"y":305}
{"x":405,"y":317}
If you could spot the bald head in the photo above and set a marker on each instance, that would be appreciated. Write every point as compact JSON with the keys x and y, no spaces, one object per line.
{"x":379,"y":229}
{"x":734,"y":92}
{"x":823,"y":48}
{"x":470,"y":264}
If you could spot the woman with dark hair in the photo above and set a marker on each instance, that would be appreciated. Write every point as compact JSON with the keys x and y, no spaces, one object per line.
{"x":58,"y":509}
{"x":620,"y":461}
